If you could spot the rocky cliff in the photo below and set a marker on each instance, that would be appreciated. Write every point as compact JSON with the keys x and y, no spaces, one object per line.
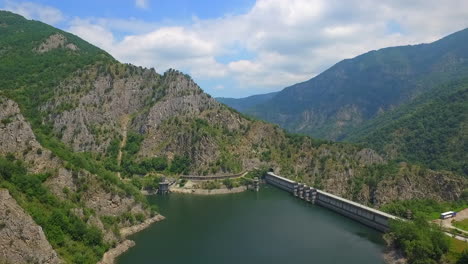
{"x":79,"y":187}
{"x":21,"y":239}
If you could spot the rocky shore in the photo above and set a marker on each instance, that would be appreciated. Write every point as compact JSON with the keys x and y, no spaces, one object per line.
{"x":391,"y":254}
{"x":111,"y":255}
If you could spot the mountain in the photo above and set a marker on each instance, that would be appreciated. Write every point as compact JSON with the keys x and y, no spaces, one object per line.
{"x":432,"y":130}
{"x":242,"y":104}
{"x":356,"y":90}
{"x":56,"y":205}
{"x":82,"y":134}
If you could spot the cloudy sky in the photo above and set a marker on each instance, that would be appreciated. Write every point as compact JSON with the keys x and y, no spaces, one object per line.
{"x":237,"y":48}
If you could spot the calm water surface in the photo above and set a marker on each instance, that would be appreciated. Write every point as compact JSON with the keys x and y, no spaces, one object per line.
{"x":270,"y":227}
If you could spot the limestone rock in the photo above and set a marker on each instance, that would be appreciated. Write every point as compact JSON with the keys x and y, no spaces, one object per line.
{"x":55,"y":41}
{"x":21,"y":239}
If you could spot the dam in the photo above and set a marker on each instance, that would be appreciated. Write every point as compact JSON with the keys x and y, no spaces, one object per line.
{"x":368,"y":216}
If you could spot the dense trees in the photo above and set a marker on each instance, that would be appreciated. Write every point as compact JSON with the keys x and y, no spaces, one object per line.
{"x":431,"y":131}
{"x":422,"y":242}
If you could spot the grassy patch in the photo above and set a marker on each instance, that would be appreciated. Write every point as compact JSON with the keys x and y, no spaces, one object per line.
{"x":456,"y":249}
{"x":461,"y":224}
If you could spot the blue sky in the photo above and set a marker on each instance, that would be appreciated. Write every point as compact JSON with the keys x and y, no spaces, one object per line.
{"x":157,"y":10}
{"x":236,"y":48}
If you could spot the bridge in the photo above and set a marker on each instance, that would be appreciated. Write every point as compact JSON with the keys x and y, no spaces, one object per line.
{"x":361,"y":213}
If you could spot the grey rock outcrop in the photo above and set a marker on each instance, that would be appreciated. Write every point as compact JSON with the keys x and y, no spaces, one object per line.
{"x":21,"y":239}
{"x":17,"y":138}
{"x":55,"y":41}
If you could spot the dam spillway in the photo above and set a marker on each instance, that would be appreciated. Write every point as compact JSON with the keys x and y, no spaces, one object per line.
{"x":366,"y":215}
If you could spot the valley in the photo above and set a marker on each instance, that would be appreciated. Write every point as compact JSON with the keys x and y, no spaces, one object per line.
{"x":84,"y":138}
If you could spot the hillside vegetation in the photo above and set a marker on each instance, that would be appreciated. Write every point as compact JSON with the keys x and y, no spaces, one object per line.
{"x":431,"y":131}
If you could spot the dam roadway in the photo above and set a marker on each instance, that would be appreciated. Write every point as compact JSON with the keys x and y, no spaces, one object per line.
{"x":361,"y":213}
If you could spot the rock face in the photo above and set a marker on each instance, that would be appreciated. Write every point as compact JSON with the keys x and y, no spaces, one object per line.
{"x":21,"y":239}
{"x":55,"y":41}
{"x":413,"y":182}
{"x":17,"y":138}
{"x":88,"y":118}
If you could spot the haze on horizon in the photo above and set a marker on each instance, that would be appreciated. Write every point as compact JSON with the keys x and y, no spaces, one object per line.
{"x":240,"y":48}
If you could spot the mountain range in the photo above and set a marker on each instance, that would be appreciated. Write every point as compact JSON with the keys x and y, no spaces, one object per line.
{"x":356,"y":90}
{"x":409,"y":103}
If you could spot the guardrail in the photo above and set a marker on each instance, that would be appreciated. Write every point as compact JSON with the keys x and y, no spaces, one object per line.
{"x":213,"y":177}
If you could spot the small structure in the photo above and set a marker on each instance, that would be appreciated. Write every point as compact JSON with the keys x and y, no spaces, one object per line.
{"x":307,"y":193}
{"x":448,"y":214}
{"x":256,"y":183}
{"x":313,"y":195}
{"x":301,"y":191}
{"x":163,"y":186}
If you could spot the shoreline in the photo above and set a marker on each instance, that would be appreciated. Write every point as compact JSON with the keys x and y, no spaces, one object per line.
{"x":209,"y":192}
{"x":112,"y":254}
{"x":391,"y":254}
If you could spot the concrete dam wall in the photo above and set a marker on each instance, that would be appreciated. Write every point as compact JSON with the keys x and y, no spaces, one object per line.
{"x":361,"y":213}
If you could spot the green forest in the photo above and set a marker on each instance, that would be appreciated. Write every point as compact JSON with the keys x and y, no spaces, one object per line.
{"x":432,"y":131}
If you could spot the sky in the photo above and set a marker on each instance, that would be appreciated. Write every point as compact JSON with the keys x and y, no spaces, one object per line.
{"x":237,"y":48}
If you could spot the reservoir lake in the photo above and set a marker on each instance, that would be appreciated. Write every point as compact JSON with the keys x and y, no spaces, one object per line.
{"x":269,"y":226}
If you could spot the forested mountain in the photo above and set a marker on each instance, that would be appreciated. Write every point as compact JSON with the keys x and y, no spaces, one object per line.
{"x":432,"y":130}
{"x":356,"y":90}
{"x":81,"y":134}
{"x":242,"y":104}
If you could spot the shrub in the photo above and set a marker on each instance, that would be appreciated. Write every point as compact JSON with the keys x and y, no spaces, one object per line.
{"x":228,"y":183}
{"x":210,"y":185}
{"x":182,"y":182}
{"x":180,"y":165}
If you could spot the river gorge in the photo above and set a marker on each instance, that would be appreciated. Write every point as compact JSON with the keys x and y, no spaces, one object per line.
{"x":269,"y":226}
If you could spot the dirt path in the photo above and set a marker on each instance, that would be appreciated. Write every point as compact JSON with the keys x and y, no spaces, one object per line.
{"x":214,"y":177}
{"x":123,"y":125}
{"x":209,"y":192}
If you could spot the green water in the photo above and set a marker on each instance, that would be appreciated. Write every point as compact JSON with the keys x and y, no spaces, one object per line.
{"x":270,"y":226}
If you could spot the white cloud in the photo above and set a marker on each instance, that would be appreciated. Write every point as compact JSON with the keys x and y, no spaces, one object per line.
{"x":219,"y":87}
{"x":285,"y":41}
{"x":47,"y":14}
{"x":143,"y":4}
{"x":94,"y":33}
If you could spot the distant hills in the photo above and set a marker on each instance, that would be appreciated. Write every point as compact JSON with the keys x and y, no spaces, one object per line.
{"x":243,"y":104}
{"x":356,"y":90}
